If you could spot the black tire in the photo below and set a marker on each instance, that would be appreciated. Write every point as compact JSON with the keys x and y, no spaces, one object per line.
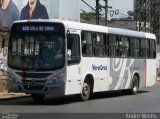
{"x":135,"y":85}
{"x":37,"y":97}
{"x":86,"y":91}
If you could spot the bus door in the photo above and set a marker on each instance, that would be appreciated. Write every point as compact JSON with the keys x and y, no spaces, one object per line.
{"x":73,"y":82}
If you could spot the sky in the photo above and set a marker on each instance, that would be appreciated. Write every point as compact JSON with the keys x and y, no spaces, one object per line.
{"x":122,"y":5}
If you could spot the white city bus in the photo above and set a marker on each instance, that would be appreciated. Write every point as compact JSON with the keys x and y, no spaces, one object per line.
{"x":65,"y":58}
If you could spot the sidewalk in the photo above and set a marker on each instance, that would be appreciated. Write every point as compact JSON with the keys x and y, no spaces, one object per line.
{"x":6,"y":95}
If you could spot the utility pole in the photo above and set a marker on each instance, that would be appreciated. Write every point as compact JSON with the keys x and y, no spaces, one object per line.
{"x":98,"y":9}
{"x":106,"y":12}
{"x":142,"y":15}
{"x":97,"y":12}
{"x":147,"y":16}
{"x":155,"y":21}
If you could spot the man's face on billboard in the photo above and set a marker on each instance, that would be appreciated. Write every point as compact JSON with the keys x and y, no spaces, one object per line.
{"x":31,"y":2}
{"x":3,"y":2}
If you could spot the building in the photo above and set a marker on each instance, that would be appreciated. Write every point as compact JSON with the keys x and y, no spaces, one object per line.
{"x":147,"y":16}
{"x":126,"y":24}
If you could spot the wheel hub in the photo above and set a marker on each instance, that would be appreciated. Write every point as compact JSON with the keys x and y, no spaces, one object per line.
{"x":85,"y":89}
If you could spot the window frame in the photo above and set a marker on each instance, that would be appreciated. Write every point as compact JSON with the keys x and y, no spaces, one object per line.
{"x":114,"y":49}
{"x":74,"y":60}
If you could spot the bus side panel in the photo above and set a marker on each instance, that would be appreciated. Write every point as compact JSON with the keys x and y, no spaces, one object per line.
{"x":121,"y":72}
{"x":139,"y":69}
{"x":150,"y":72}
{"x":98,"y":68}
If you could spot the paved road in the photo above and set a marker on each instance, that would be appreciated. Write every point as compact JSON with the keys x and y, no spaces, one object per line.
{"x":146,"y":101}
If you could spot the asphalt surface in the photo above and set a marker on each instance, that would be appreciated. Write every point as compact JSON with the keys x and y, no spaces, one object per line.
{"x":108,"y":105}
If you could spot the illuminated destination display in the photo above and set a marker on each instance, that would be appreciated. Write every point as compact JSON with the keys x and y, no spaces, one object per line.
{"x":38,"y":27}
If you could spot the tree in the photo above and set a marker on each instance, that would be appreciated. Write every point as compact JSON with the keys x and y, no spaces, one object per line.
{"x":88,"y":16}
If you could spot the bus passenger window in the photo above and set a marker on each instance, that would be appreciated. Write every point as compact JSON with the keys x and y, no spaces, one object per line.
{"x":106,"y":42}
{"x":86,"y":43}
{"x":135,"y":44}
{"x":113,"y":46}
{"x":99,"y":45}
{"x":124,"y":47}
{"x":144,"y":47}
{"x":152,"y":49}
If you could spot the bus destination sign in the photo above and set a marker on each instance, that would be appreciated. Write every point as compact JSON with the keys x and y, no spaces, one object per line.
{"x":41,"y":27}
{"x":38,"y":28}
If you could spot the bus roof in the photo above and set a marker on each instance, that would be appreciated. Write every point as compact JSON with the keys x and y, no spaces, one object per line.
{"x":96,"y":28}
{"x":111,"y":30}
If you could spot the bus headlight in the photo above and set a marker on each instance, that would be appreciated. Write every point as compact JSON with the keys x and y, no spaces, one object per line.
{"x":12,"y":78}
{"x":56,"y":79}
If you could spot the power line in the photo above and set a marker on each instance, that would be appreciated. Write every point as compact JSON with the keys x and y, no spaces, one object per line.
{"x":98,"y":9}
{"x":88,"y":5}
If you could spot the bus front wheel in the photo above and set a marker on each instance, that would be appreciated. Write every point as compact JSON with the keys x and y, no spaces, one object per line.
{"x":86,"y":91}
{"x":37,"y":97}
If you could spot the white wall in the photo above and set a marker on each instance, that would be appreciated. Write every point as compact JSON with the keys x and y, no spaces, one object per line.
{"x":3,"y":58}
{"x":70,"y":9}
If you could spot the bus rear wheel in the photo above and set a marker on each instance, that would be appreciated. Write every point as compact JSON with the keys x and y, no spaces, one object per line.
{"x":86,"y":91}
{"x":37,"y":97}
{"x":134,"y":88}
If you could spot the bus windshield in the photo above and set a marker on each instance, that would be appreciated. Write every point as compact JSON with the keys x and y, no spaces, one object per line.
{"x":40,"y":51}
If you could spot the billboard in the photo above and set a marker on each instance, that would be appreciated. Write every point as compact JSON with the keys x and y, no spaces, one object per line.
{"x":12,"y":10}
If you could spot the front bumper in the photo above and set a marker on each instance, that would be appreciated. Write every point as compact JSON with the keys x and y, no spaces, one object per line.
{"x":43,"y":89}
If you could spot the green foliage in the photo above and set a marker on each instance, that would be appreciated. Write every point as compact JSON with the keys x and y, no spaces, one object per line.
{"x":91,"y":15}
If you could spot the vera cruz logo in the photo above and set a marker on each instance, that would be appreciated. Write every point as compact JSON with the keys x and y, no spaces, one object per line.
{"x":99,"y":68}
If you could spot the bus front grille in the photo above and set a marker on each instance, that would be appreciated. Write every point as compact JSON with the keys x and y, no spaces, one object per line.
{"x":30,"y":87}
